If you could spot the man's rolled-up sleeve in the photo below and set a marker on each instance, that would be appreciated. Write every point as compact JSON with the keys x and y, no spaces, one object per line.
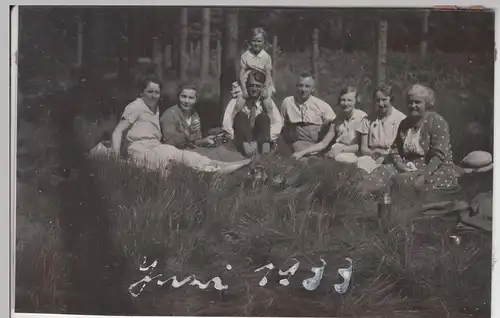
{"x":328,"y":113}
{"x":276,"y":122}
{"x":227,"y":122}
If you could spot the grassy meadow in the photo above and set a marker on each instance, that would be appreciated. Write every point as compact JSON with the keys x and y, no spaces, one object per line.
{"x":84,"y":226}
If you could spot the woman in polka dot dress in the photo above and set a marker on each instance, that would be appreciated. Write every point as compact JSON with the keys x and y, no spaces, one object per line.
{"x":421,"y":153}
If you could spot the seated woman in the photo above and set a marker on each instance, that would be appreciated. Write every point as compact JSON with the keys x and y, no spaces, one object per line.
{"x":378,"y":130}
{"x":181,"y":127}
{"x":255,"y":128}
{"x":421,"y":153}
{"x":141,"y":122}
{"x":342,"y":131}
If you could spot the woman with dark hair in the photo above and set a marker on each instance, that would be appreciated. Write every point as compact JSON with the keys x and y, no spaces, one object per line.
{"x":378,"y":130}
{"x":140,"y":122}
{"x":180,"y":124}
{"x":181,"y":127}
{"x":421,"y":153}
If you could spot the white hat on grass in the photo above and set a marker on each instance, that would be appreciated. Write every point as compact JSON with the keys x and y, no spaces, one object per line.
{"x":477,"y":161}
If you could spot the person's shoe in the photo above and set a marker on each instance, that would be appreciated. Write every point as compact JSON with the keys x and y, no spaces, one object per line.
{"x":248,"y":149}
{"x":266,"y":148}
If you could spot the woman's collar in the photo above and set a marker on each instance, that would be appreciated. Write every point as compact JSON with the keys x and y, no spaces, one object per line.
{"x":350,"y":115}
{"x":389,"y":113}
{"x":260,"y":54}
{"x":149,"y":108}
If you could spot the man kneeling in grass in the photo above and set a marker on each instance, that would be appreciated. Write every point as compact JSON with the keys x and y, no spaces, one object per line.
{"x":256,"y":126}
{"x":141,"y":122}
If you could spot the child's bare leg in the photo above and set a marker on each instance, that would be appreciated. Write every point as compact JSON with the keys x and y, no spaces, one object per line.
{"x":266,"y":148}
{"x":228,"y":167}
{"x":249,"y":148}
{"x":268,"y":104}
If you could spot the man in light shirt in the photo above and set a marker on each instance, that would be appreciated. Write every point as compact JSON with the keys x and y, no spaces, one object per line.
{"x":306,"y":117}
{"x":254,"y":128}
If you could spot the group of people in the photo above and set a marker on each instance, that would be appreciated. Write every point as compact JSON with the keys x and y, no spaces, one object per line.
{"x":385,"y":144}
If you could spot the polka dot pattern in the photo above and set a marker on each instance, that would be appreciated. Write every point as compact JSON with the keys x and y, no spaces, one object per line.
{"x":434,"y":164}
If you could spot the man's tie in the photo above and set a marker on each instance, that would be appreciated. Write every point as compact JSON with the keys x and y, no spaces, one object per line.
{"x":253,"y":112}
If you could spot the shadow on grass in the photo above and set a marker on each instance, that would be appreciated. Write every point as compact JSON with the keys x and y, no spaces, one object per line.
{"x":90,"y":266}
{"x":94,"y":268}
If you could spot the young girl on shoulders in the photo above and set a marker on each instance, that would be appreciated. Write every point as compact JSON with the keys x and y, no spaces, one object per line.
{"x":256,"y":59}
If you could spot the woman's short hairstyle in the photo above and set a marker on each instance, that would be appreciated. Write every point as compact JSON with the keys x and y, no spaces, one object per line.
{"x":145,"y":80}
{"x":347,"y":90}
{"x":184,"y":86}
{"x":425,"y":92}
{"x":387,"y":90}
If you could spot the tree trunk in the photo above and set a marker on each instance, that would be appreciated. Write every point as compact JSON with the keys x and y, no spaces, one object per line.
{"x":167,"y":56}
{"x":205,"y":44}
{"x":315,"y":55}
{"x":94,"y":46}
{"x":191,"y":54}
{"x":381,"y":56}
{"x":275,"y":49}
{"x":129,"y":37}
{"x":340,"y":26}
{"x":176,"y":52}
{"x":219,"y":58}
{"x":229,"y":57}
{"x":157,"y":57}
{"x":183,"y":44}
{"x":79,"y":44}
{"x":425,"y":33}
{"x":123,"y":50}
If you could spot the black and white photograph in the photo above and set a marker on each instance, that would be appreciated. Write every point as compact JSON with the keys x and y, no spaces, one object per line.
{"x":253,"y":160}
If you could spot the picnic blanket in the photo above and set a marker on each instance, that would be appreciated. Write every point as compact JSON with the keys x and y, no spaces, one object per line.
{"x":476,"y":215}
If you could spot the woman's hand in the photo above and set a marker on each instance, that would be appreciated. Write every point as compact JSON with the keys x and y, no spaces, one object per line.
{"x":420,"y":181}
{"x":376,"y":153}
{"x":336,"y":150}
{"x":207,"y":141}
{"x":408,"y":167}
{"x":190,"y":137}
{"x":210,"y":140}
{"x":380,"y":160}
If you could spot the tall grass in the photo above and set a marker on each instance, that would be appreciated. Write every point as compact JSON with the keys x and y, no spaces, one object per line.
{"x":193,"y":224}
